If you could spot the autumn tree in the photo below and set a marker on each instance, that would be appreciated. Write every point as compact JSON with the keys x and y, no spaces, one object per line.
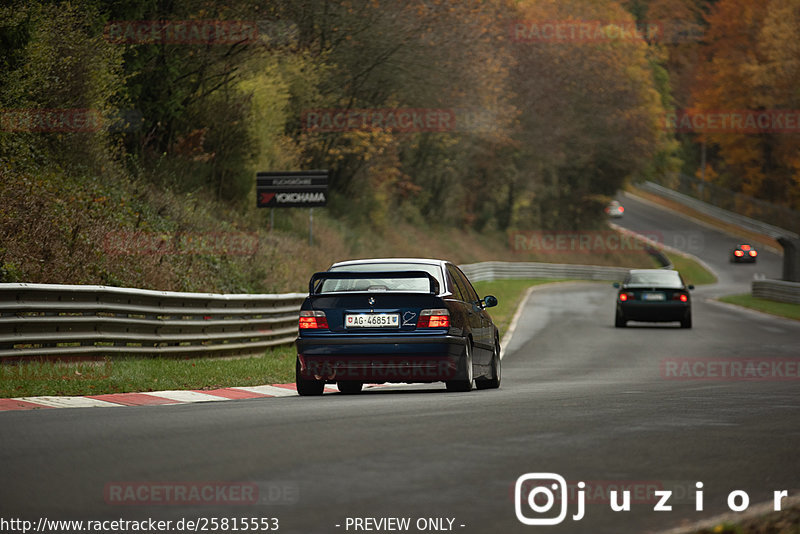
{"x":751,"y":63}
{"x":447,"y":55}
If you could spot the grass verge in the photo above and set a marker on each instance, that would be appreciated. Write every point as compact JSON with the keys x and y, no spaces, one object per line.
{"x":782,"y":309}
{"x":692,"y":272}
{"x":121,"y":375}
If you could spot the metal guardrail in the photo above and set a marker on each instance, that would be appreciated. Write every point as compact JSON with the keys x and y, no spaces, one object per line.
{"x":777,"y":290}
{"x":718,"y":213}
{"x":500,"y":270}
{"x":727,"y":199}
{"x":39,"y":320}
{"x":46,"y":320}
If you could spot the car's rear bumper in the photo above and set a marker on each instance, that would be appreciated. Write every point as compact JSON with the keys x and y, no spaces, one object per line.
{"x":654,"y":311}
{"x":382,"y":359}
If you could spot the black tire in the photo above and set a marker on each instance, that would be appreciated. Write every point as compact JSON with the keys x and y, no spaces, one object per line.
{"x":349,"y":387}
{"x":464,"y":384}
{"x":307,"y":387}
{"x":497,"y":368}
{"x":687,"y":323}
{"x":620,"y":321}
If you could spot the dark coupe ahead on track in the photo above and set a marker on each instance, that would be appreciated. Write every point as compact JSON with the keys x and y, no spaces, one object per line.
{"x":395,"y":320}
{"x":653,"y":295}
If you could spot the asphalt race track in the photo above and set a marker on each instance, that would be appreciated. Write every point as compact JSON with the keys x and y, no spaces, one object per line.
{"x":712,"y":246}
{"x":579,"y":398}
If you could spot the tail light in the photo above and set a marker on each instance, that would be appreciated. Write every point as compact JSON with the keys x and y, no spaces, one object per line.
{"x":738,"y":253}
{"x":621,"y":209}
{"x":625,"y":296}
{"x":745,"y":247}
{"x":683,"y":297}
{"x":753,"y":253}
{"x":434,"y":318}
{"x":312,"y":319}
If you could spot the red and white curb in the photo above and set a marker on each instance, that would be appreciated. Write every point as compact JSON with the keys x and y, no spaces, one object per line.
{"x":152,"y":398}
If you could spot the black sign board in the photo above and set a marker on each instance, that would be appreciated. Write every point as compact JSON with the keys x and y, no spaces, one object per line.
{"x":292,"y":189}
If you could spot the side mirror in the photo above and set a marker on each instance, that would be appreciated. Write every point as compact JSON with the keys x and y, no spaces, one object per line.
{"x":489,"y":301}
{"x":616,"y":284}
{"x":691,"y":286}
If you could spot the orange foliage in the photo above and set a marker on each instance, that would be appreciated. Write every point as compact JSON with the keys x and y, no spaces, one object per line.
{"x":751,"y":61}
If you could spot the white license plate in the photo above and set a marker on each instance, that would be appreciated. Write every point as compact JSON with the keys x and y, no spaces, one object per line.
{"x":653,"y":296}
{"x":371,"y":320}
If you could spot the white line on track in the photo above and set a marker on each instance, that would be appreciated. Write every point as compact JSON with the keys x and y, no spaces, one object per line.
{"x":269,"y":390}
{"x":185,"y":396}
{"x":68,"y":402}
{"x":513,"y":326}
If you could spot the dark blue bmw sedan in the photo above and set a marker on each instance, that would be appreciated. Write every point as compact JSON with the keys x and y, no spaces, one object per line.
{"x":395,"y":320}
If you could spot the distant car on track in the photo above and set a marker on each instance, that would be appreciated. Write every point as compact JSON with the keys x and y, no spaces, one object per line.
{"x":744,"y":254}
{"x":395,"y":320}
{"x":614,"y":209}
{"x":653,"y":295}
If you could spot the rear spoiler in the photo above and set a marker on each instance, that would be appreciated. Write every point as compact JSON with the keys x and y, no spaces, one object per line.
{"x":314,"y":284}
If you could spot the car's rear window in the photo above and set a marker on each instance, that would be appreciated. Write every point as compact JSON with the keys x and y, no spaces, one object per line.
{"x":421,"y":285}
{"x":669,"y":279}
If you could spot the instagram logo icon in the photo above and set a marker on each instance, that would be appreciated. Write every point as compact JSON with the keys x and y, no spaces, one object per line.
{"x":537,"y":491}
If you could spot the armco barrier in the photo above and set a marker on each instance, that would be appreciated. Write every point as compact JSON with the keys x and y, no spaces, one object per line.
{"x":501,"y":270}
{"x":717,"y":213}
{"x":45,"y":320}
{"x":777,"y":290}
{"x":84,"y":321}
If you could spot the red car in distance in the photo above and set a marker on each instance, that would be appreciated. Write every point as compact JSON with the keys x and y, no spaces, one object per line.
{"x":744,"y":254}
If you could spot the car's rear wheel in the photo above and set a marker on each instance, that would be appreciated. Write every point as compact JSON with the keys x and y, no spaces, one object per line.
{"x":687,"y":322}
{"x":620,"y":321}
{"x":494,"y":382}
{"x":349,"y":387}
{"x":465,"y":383}
{"x":307,"y":387}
